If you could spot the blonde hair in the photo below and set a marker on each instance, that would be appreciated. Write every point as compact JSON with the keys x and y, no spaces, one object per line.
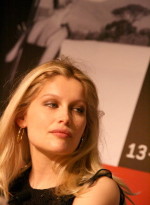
{"x":83,"y":162}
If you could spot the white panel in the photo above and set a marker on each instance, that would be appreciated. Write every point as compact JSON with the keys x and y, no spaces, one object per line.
{"x":118,"y":71}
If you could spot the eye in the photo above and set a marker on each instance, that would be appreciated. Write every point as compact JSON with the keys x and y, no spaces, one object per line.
{"x":80,"y":110}
{"x":51,"y":104}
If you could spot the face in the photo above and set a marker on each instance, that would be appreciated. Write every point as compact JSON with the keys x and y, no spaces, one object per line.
{"x":56,"y":118}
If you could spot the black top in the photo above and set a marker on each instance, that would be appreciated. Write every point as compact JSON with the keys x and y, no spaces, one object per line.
{"x":24,"y":194}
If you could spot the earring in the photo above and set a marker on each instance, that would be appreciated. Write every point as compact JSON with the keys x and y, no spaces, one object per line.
{"x":82,"y":139}
{"x":20,"y":134}
{"x":81,"y":142}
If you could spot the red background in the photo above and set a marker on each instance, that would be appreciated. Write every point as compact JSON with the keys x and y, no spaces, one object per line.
{"x":138,"y":181}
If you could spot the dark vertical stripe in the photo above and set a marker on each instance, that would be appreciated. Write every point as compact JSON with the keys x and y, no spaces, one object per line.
{"x":136,"y":151}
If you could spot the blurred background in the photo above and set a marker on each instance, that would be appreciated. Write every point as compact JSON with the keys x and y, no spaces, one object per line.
{"x":110,"y":39}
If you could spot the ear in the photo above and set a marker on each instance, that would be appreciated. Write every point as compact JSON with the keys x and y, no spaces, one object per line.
{"x":21,"y":122}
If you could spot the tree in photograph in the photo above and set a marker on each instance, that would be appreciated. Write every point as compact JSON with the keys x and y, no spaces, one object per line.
{"x":145,"y":32}
{"x":116,"y":29}
{"x":131,"y":13}
{"x":124,"y":30}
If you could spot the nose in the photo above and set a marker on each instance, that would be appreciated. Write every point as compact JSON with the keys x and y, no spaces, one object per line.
{"x":64,"y":116}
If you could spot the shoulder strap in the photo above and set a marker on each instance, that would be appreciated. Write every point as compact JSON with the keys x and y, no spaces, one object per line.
{"x":105,"y":172}
{"x":100,"y":173}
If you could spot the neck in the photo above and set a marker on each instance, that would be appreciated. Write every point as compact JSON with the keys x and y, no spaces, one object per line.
{"x":43,"y":174}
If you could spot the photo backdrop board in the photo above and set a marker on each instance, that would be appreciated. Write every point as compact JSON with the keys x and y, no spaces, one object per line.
{"x":121,"y":73}
{"x":111,"y":41}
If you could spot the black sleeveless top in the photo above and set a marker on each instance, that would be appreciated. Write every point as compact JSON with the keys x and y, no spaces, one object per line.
{"x":23,"y":194}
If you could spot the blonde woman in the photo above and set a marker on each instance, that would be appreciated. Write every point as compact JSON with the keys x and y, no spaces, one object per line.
{"x":48,"y":141}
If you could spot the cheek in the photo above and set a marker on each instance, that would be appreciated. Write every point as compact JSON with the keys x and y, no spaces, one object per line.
{"x":81,"y":124}
{"x":80,"y":127}
{"x":36,"y":115}
{"x":35,"y":120}
{"x":37,"y":123}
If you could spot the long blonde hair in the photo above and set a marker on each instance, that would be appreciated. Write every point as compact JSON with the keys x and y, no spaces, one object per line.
{"x":83,"y":162}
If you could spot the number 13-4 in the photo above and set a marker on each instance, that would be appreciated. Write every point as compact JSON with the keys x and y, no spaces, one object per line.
{"x":142,"y":150}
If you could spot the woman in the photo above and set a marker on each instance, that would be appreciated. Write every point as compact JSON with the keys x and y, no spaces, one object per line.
{"x":48,"y":141}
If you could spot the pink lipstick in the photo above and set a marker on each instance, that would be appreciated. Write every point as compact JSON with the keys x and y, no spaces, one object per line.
{"x":61,"y":133}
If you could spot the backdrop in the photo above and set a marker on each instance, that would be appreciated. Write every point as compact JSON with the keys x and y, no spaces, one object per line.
{"x":110,"y":39}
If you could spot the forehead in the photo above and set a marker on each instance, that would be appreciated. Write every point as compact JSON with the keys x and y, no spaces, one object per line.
{"x":63,"y":86}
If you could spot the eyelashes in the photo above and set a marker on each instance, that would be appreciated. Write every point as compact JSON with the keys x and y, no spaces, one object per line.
{"x":77,"y":109}
{"x":80,"y":110}
{"x":51,"y":104}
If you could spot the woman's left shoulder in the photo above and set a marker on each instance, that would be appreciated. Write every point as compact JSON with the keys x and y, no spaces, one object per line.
{"x":104,"y":191}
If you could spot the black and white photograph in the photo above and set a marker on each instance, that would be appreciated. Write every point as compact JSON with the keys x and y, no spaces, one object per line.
{"x":110,"y":39}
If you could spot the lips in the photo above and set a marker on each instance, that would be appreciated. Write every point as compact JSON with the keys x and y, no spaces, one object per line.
{"x":61,"y":133}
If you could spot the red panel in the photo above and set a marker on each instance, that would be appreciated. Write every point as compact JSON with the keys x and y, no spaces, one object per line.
{"x":138,"y":181}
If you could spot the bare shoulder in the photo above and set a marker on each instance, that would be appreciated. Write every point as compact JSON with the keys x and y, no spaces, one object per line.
{"x":104,"y":192}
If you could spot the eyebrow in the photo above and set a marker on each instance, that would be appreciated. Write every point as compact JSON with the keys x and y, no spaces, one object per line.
{"x":53,"y":95}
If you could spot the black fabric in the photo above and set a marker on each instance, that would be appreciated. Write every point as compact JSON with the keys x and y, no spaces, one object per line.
{"x":23,"y":194}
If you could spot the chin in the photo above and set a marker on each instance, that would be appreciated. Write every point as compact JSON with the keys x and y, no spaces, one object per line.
{"x":61,"y":151}
{"x":62,"y":148}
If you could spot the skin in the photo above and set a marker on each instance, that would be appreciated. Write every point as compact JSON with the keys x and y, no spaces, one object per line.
{"x":55,"y":122}
{"x":104,"y":192}
{"x":56,"y":118}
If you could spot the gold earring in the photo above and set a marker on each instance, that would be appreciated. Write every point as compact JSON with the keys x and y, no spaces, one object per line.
{"x":20,"y":134}
{"x":82,"y":140}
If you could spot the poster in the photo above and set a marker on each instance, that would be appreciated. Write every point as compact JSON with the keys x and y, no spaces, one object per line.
{"x":111,"y":41}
